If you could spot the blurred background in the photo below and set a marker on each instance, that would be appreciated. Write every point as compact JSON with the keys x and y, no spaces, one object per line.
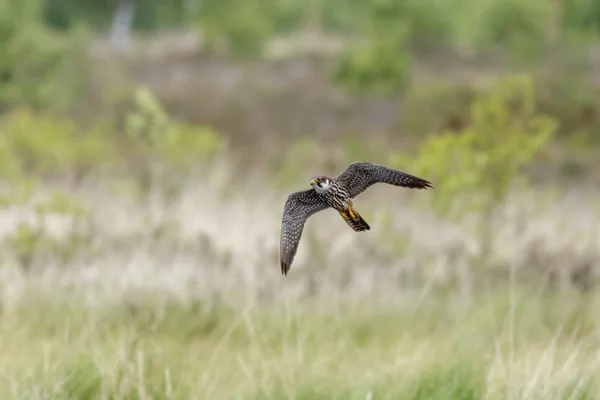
{"x":147,"y":149}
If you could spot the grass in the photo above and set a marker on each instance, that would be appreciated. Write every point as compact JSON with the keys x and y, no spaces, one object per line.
{"x":161,"y":348}
{"x":183,"y":299}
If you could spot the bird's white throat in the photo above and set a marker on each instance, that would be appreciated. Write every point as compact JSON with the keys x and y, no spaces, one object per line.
{"x":321,"y":187}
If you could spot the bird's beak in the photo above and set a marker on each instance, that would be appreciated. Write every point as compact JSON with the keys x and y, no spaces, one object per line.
{"x":314,"y":181}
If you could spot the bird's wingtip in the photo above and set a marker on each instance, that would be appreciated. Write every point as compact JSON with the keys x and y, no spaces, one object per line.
{"x":284,"y":268}
{"x":425,"y":184}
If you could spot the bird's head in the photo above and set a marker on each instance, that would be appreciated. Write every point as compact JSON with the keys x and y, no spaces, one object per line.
{"x":320,"y":183}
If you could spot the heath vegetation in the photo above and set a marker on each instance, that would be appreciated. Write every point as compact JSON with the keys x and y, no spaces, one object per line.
{"x":142,"y":187}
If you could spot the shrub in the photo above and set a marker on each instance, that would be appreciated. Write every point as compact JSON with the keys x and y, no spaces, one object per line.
{"x":239,"y":27}
{"x":160,"y":137}
{"x":474,"y":169}
{"x":384,"y":63}
{"x":36,"y":67}
{"x":43,"y":144}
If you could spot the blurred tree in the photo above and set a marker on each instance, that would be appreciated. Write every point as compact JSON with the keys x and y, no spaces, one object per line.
{"x":520,"y":26}
{"x":63,"y":14}
{"x":240,"y":27}
{"x":121,"y":27}
{"x":158,"y":138}
{"x":474,"y":170}
{"x":34,"y":63}
{"x":383,"y":63}
{"x":99,"y":15}
{"x":476,"y":167}
{"x":343,"y":16}
{"x":554,"y":26}
{"x":581,"y":17}
{"x":315,"y":18}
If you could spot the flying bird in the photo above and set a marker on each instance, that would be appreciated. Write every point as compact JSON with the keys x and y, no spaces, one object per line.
{"x":336,"y":193}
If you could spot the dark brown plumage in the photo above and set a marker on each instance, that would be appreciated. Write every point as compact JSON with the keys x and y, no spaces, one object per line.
{"x":337,"y":194}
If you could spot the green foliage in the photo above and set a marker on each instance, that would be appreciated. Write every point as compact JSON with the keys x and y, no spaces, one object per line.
{"x":435,"y":351}
{"x":384,"y":63}
{"x":150,"y":15}
{"x":489,"y":22}
{"x":476,"y":167}
{"x":570,"y":99}
{"x":37,"y":146}
{"x":437,"y":106}
{"x":63,"y":14}
{"x":36,"y":68}
{"x":33,"y":239}
{"x":581,"y":17}
{"x":462,"y":381}
{"x":244,"y":26}
{"x":378,"y":67}
{"x":163,"y":148}
{"x":42,"y":144}
{"x":509,"y":20}
{"x":240,"y":27}
{"x":520,"y":27}
{"x":156,"y":134}
{"x":45,"y":144}
{"x":440,"y":105}
{"x":428,"y":20}
{"x":343,"y":16}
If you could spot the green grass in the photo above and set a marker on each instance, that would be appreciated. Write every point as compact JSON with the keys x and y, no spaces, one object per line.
{"x":520,"y":346}
{"x":182,"y":298}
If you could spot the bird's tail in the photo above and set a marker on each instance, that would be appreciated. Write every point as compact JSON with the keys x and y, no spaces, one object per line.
{"x":354,"y":220}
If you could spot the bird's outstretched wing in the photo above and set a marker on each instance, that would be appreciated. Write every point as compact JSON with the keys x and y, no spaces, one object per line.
{"x":298,"y":207}
{"x":360,"y":175}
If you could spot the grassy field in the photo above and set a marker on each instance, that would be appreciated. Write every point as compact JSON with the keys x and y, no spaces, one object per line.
{"x":184,"y":300}
{"x":155,"y":273}
{"x":508,"y":345}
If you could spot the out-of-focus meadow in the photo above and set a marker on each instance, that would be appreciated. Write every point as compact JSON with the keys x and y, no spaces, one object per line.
{"x":147,"y":149}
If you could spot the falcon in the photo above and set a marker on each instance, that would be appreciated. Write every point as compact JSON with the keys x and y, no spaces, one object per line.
{"x":336,"y":193}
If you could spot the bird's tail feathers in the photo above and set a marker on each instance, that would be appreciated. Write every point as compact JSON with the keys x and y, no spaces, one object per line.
{"x":355,"y":220}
